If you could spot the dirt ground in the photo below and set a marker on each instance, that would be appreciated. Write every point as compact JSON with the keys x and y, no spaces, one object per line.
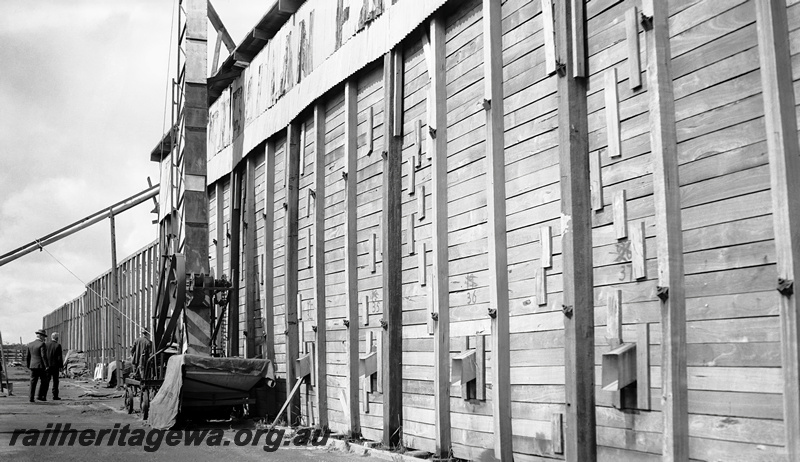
{"x":27,"y":431}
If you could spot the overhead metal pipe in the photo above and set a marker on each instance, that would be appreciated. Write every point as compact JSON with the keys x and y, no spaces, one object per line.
{"x":83,"y":223}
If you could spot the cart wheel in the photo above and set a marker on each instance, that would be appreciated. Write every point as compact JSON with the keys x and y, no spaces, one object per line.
{"x":145,"y":403}
{"x":128,"y":400}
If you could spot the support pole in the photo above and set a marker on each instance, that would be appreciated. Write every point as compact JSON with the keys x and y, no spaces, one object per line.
{"x":321,"y":393}
{"x":391,"y":227}
{"x":233,"y":255}
{"x":669,"y":240}
{"x":784,"y":165}
{"x":440,"y":291}
{"x":292,"y":166}
{"x":220,"y":254}
{"x":576,"y":241}
{"x":269,"y":251}
{"x":350,"y":251}
{"x":249,"y":263}
{"x":498,"y":245}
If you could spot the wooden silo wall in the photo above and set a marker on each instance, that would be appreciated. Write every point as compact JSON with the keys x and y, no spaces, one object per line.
{"x":305,"y":275}
{"x":335,"y":311}
{"x":418,"y":371}
{"x":279,"y":244}
{"x":733,"y":327}
{"x":257,"y":265}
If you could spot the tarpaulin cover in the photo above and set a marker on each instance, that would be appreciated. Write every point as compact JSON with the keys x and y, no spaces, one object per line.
{"x":240,"y":374}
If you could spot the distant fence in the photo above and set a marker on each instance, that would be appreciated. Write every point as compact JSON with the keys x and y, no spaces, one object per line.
{"x":86,"y":323}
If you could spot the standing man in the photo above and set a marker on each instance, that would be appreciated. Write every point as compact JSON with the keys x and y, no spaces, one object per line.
{"x":141,"y":351}
{"x":55,"y":361}
{"x":36,"y":361}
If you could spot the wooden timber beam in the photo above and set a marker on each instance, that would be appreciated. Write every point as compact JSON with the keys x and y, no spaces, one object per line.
{"x":215,"y":20}
{"x":249,"y":264}
{"x":114,"y":302}
{"x":669,"y":239}
{"x":350,"y":251}
{"x":321,"y":394}
{"x":291,"y":263}
{"x":498,"y":243}
{"x":576,"y":241}
{"x":440,"y":290}
{"x":268,"y":315}
{"x":220,"y":252}
{"x":233,"y":255}
{"x":784,"y":165}
{"x":392,"y":239}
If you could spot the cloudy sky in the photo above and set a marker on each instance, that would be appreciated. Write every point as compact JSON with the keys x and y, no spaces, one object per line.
{"x":81,"y":106}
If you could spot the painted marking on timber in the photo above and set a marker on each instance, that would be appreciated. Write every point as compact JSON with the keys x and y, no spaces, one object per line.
{"x":622,"y":251}
{"x":376,"y":302}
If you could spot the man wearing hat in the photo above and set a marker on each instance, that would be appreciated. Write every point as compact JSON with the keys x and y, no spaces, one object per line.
{"x":36,"y":361}
{"x":141,"y":351}
{"x":55,"y":360}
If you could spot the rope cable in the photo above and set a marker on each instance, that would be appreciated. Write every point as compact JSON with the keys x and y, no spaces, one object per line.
{"x":102,"y":298}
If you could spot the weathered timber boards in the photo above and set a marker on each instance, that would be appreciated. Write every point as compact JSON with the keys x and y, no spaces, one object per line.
{"x":782,"y":143}
{"x":669,"y":240}
{"x":576,"y":241}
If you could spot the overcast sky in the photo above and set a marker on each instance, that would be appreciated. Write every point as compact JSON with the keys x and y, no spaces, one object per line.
{"x":81,"y":107}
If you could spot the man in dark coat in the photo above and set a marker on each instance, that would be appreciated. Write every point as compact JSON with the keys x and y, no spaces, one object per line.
{"x":55,"y":360}
{"x":141,"y":351}
{"x":36,"y":361}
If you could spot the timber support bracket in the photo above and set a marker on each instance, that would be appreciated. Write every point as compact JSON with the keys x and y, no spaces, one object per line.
{"x":663,"y":293}
{"x":786,"y":287}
